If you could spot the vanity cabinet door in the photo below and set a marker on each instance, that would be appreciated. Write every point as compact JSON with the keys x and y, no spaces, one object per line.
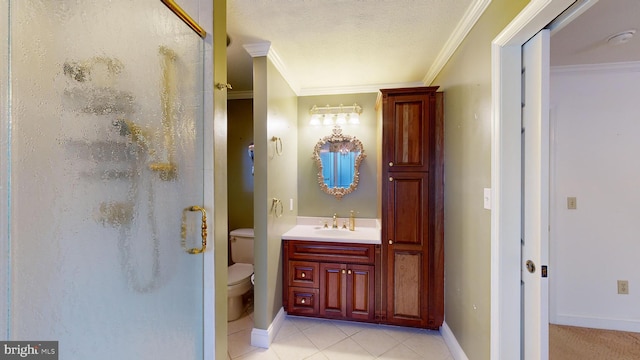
{"x":360,"y":292}
{"x":333,"y":287}
{"x":347,"y":291}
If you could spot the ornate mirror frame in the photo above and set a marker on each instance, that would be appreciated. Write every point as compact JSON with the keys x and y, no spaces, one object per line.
{"x":337,"y":136}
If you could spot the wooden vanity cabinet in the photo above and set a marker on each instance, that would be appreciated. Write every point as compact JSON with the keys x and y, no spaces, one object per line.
{"x":412,"y":258}
{"x":330,"y":280}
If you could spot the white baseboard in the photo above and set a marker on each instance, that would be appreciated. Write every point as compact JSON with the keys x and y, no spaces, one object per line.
{"x":264,"y":338}
{"x":452,"y":343}
{"x":599,"y":323}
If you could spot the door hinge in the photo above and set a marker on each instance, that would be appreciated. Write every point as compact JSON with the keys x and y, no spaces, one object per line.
{"x":543,"y":271}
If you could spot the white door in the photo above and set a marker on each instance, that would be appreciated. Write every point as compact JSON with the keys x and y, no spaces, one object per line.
{"x":103,"y":165}
{"x":535,"y":197}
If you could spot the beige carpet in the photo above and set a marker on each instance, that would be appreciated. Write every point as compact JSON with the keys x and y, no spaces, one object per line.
{"x":569,"y":343}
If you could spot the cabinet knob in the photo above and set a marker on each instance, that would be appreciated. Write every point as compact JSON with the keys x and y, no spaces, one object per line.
{"x":390,"y":178}
{"x":349,"y":272}
{"x":302,"y":301}
{"x":303,"y":275}
{"x":390,"y":163}
{"x":343,"y":271}
{"x":390,"y":242}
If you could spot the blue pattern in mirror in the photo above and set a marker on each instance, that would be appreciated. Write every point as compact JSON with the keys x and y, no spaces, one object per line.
{"x":338,"y":158}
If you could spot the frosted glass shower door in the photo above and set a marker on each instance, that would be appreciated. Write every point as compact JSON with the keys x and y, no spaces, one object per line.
{"x":105,"y":160}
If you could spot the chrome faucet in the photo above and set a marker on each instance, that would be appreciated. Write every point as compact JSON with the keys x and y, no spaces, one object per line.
{"x":335,"y":221}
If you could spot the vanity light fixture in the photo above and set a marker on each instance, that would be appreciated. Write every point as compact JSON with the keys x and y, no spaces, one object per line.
{"x":335,"y":115}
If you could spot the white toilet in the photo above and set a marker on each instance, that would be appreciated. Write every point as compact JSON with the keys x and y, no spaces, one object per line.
{"x":240,"y":279}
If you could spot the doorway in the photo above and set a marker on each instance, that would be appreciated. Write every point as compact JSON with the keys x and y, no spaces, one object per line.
{"x":506,"y":180}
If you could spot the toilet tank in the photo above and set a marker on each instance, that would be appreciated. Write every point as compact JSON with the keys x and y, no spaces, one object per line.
{"x":241,"y":245}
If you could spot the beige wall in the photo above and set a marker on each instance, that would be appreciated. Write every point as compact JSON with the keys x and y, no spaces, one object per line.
{"x":275,"y":115}
{"x":240,"y":179}
{"x":466,"y":81}
{"x":313,"y":201}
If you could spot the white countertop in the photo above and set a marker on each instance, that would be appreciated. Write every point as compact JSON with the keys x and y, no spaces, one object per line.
{"x":367,"y":231}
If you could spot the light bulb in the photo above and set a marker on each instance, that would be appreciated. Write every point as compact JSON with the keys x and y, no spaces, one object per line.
{"x":354,"y":118}
{"x":315,"y":120}
{"x":328,"y":119}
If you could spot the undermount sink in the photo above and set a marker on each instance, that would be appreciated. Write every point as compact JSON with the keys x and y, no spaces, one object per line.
{"x":367,"y":231}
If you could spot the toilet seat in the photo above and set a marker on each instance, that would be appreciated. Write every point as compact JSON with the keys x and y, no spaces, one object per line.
{"x":238,"y":273}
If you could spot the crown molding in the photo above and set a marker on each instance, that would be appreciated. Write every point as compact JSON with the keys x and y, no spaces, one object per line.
{"x":631,"y":66}
{"x":471,"y":16}
{"x":265,"y":49}
{"x":359,"y":89}
{"x":282,"y":68}
{"x":258,"y":49}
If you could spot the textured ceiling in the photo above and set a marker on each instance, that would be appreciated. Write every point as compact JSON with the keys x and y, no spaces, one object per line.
{"x":334,"y":46}
{"x":343,"y":43}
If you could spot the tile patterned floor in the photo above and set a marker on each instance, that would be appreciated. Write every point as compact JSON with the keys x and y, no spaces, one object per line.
{"x":319,"y":339}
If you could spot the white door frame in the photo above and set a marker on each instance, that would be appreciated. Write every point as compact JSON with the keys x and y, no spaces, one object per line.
{"x":505,"y":172}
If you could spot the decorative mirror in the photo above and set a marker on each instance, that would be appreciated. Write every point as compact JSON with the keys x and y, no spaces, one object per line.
{"x":338,"y":158}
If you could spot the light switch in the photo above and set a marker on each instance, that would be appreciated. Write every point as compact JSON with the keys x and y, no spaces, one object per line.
{"x":487,"y":198}
{"x":572,"y":203}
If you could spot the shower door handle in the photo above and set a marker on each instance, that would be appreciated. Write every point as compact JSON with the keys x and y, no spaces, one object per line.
{"x":203,"y":233}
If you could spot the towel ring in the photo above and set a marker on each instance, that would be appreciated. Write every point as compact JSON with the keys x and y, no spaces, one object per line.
{"x":277,"y":208}
{"x":277,"y":141}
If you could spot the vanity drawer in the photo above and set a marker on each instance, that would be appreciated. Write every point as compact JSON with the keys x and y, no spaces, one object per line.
{"x":303,"y":301}
{"x":331,"y":252}
{"x":303,"y":274}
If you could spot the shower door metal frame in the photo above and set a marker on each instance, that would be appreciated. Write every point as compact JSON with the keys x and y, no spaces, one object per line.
{"x":184,"y":16}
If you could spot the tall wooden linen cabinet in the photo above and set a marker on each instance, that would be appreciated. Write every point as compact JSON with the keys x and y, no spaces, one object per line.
{"x":412,"y":251}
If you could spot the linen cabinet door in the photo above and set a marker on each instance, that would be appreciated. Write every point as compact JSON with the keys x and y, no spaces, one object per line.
{"x":406,"y":249}
{"x":406,"y":129}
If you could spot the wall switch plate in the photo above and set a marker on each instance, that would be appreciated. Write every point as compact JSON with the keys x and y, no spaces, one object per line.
{"x":572,"y":203}
{"x":487,"y":198}
{"x":623,"y":287}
